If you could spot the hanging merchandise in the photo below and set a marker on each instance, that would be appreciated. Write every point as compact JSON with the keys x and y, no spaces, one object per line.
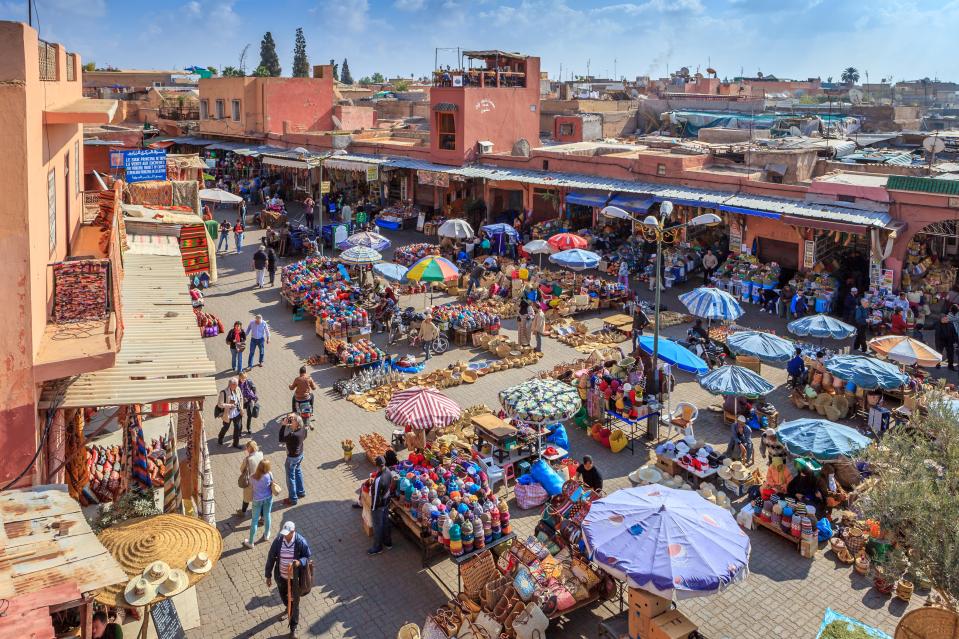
{"x":81,"y":291}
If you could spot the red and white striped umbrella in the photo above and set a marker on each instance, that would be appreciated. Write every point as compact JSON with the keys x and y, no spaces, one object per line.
{"x":422,"y":408}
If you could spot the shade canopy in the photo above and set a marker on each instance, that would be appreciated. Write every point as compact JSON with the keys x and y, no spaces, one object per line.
{"x":766,"y":346}
{"x":501,"y":229}
{"x":672,"y":543}
{"x":675,"y":354}
{"x":433,"y":268}
{"x":422,"y":408}
{"x":219,"y":196}
{"x":456,"y":229}
{"x":712,"y":304}
{"x":538,"y":247}
{"x":575,"y":259}
{"x":905,"y":350}
{"x":821,"y":438}
{"x":360,"y":255}
{"x":566,"y":241}
{"x":821,"y":326}
{"x":735,"y":380}
{"x":866,"y":372}
{"x":389,"y":270}
{"x":368,"y":239}
{"x":541,"y":401}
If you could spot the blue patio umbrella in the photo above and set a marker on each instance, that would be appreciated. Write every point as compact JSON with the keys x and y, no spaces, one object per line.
{"x":712,"y":304}
{"x":501,"y":229}
{"x":389,"y":270}
{"x":575,"y":259}
{"x":821,"y":438}
{"x":374,"y":241}
{"x":821,"y":326}
{"x":866,"y":372}
{"x":735,"y":380}
{"x":766,"y":346}
{"x":675,"y":354}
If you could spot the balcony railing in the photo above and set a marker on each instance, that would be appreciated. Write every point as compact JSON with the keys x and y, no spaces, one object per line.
{"x":71,"y":67}
{"x":479,"y":78}
{"x":48,"y":62}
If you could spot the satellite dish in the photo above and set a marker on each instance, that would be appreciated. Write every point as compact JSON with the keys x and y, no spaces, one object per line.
{"x":934,"y":144}
{"x":711,"y":70}
{"x":855,"y":96}
{"x":794,"y":131}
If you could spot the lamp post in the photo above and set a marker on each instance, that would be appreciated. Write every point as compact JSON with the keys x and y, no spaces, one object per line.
{"x":654,"y":228}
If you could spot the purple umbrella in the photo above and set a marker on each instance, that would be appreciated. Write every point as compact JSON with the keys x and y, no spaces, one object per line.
{"x":667,"y":541}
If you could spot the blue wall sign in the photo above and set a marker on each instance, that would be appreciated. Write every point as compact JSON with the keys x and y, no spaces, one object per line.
{"x":147,"y":164}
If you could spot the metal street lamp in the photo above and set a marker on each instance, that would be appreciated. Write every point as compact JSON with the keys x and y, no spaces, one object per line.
{"x":654,"y":228}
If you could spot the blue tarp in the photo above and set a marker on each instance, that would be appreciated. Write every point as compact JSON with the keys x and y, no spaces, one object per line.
{"x":597,"y":200}
{"x":753,"y":212}
{"x":633,"y":204}
{"x":831,"y":616}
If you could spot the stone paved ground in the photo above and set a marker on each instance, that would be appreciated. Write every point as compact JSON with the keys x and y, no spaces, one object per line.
{"x":360,"y":596}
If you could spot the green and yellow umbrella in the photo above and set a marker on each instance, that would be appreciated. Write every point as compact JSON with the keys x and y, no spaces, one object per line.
{"x":433,"y":268}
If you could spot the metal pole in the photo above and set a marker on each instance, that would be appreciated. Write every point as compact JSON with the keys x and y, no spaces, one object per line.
{"x":322,"y":241}
{"x":659,"y":289}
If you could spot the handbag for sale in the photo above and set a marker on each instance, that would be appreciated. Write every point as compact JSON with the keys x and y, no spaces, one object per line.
{"x":487,"y":622}
{"x":524,"y":583}
{"x":531,"y":623}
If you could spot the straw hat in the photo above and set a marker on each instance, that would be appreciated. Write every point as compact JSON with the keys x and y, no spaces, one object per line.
{"x":724,"y":471}
{"x":139,"y":592}
{"x":721,"y":499}
{"x":156,"y":573}
{"x":175,"y":583}
{"x":137,"y":543}
{"x":739,"y":471}
{"x":645,"y":475}
{"x":200,"y":563}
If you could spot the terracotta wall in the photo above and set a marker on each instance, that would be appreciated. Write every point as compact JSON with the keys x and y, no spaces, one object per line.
{"x":354,"y":118}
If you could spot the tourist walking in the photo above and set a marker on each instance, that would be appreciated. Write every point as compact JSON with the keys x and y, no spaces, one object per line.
{"x":259,"y":265}
{"x":289,"y":552}
{"x":238,"y":235}
{"x":262,"y":484}
{"x":223,"y":243}
{"x":271,"y":263}
{"x":539,"y":327}
{"x":946,"y":339}
{"x":308,"y":205}
{"x":710,"y":262}
{"x":251,"y":403}
{"x":380,"y":499}
{"x":247,"y":467}
{"x":230,"y":405}
{"x":428,"y":334}
{"x":236,"y":340}
{"x":293,"y":434}
{"x":259,"y":333}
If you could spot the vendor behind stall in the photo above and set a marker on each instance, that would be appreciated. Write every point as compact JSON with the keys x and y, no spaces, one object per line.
{"x":740,"y":442}
{"x":804,"y":486}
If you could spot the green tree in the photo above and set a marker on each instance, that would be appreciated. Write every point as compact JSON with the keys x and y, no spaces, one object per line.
{"x":261,"y":72}
{"x":336,"y":69}
{"x":213,"y":70}
{"x":232,"y":72}
{"x":347,"y":77}
{"x":268,"y":58}
{"x":365,"y":80}
{"x":915,"y":497}
{"x":377,"y":78}
{"x":850,"y":75}
{"x":401,"y":85}
{"x":90,"y":66}
{"x":301,"y":64}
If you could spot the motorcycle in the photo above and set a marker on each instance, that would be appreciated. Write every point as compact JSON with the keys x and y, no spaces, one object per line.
{"x":712,"y":354}
{"x":304,"y":408}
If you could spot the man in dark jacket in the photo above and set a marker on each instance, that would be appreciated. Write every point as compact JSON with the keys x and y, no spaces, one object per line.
{"x":288,"y":555}
{"x":259,"y":265}
{"x":380,"y":501}
{"x":946,"y":339}
{"x":271,"y":264}
{"x":860,"y":319}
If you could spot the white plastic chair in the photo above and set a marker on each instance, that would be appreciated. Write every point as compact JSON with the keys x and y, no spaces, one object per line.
{"x":493,"y":472}
{"x":682,"y":418}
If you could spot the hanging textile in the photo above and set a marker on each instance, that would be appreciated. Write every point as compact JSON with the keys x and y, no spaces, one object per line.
{"x":153,"y":192}
{"x":78,"y":473}
{"x":194,"y":250}
{"x":185,"y":193}
{"x":139,"y":471}
{"x":207,"y":505}
{"x":172,"y":502}
{"x":80,"y":291}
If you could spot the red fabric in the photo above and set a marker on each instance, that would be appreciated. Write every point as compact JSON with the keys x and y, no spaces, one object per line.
{"x":898,"y":324}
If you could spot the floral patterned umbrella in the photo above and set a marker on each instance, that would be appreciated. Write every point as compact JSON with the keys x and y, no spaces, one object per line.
{"x":541,"y":401}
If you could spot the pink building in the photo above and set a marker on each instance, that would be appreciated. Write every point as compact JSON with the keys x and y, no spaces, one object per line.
{"x":46,"y":221}
{"x":255,"y":108}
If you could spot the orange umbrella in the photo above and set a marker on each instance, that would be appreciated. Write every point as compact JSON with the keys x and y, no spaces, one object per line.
{"x":905,"y":350}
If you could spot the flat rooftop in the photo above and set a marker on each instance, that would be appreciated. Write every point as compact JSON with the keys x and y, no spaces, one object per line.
{"x":855,"y":179}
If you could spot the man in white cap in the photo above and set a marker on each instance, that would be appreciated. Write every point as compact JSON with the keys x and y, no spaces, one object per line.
{"x":288,"y":555}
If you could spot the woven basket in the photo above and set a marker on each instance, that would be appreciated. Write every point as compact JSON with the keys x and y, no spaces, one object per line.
{"x":477,"y":572}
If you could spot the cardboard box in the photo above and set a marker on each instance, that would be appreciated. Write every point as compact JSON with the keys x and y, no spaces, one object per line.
{"x":666,"y":465}
{"x":671,"y":625}
{"x":644,"y":607}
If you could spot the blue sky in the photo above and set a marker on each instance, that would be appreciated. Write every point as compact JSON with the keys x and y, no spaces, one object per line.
{"x":903,"y":39}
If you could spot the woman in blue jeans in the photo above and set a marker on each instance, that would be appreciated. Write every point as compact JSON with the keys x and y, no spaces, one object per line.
{"x":262,"y":484}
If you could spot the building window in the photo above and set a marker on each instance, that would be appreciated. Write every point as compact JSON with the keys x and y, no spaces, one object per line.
{"x":220,"y":109}
{"x":204,"y":109}
{"x":236,"y":110}
{"x":52,"y":207}
{"x":660,"y":169}
{"x":566,"y":130}
{"x":446,"y":130}
{"x":546,"y":165}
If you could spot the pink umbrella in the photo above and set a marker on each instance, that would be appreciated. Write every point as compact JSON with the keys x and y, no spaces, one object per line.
{"x":566,"y":241}
{"x":422,"y":408}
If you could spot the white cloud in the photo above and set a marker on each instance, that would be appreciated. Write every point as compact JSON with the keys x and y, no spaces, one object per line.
{"x":193,"y":7}
{"x":409,"y":5}
{"x":350,"y":15}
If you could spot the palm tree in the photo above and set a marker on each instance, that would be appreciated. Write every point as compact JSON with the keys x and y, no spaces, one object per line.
{"x":850,"y":75}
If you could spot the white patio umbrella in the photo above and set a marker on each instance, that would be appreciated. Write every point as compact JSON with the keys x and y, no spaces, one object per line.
{"x":456,"y":229}
{"x":539,"y":247}
{"x":219,"y":196}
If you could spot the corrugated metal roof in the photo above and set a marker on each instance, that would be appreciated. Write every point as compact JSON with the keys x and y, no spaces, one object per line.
{"x":163,"y":356}
{"x":922,"y":185}
{"x":45,"y":541}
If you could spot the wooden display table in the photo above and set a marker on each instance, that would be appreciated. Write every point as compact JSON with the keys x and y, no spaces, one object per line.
{"x":402,"y":519}
{"x":758,"y":521}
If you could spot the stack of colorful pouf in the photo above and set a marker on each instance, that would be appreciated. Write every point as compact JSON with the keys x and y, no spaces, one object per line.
{"x":453,"y":500}
{"x":318,"y":285}
{"x":466,"y":317}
